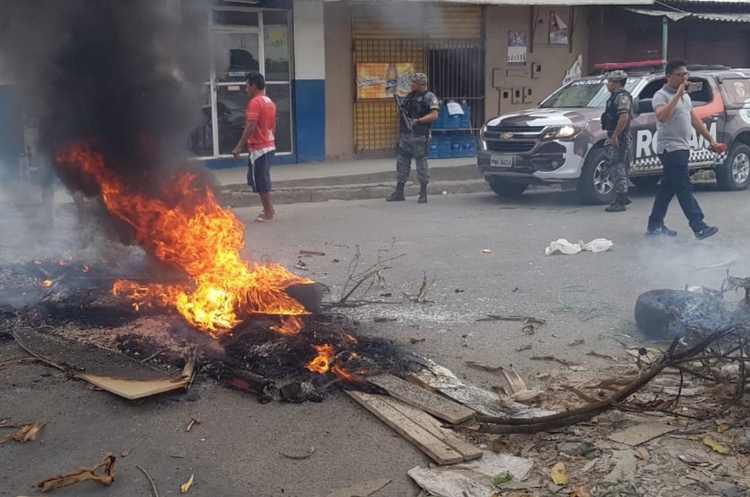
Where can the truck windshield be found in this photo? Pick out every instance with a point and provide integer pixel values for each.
(591, 93)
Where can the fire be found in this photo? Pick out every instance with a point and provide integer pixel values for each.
(187, 228)
(322, 363)
(47, 283)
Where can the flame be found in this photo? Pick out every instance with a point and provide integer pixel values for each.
(322, 363)
(290, 325)
(47, 283)
(187, 228)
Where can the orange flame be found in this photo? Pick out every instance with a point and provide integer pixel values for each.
(47, 283)
(322, 363)
(191, 231)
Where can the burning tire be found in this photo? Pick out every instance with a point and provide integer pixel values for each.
(666, 314)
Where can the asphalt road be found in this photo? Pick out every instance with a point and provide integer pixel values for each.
(236, 451)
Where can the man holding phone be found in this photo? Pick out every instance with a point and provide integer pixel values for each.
(675, 119)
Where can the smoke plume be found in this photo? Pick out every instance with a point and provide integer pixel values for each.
(118, 72)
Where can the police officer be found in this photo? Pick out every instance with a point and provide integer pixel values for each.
(418, 110)
(616, 122)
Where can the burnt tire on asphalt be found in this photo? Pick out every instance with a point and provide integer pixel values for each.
(666, 314)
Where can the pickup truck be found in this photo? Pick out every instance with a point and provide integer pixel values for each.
(561, 142)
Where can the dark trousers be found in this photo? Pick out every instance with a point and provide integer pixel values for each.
(675, 180)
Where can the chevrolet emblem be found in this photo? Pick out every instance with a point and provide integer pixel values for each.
(506, 136)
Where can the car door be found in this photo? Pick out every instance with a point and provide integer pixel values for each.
(643, 130)
(708, 104)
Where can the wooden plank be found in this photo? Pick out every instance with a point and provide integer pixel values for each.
(439, 451)
(432, 425)
(420, 398)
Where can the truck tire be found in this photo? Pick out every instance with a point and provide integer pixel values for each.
(505, 188)
(734, 174)
(645, 182)
(595, 186)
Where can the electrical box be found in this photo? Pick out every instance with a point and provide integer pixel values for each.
(516, 96)
(536, 70)
(527, 94)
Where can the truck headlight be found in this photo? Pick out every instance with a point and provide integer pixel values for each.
(563, 132)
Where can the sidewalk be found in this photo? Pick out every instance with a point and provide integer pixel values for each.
(347, 180)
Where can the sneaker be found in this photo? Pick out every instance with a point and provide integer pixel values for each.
(661, 231)
(706, 232)
(616, 207)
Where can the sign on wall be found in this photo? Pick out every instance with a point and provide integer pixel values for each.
(376, 80)
(558, 30)
(516, 48)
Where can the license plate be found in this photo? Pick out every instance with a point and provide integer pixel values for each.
(501, 161)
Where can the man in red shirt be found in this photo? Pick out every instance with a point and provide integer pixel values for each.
(259, 136)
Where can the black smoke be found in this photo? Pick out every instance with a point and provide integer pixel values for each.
(126, 73)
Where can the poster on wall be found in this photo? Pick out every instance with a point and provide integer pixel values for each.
(377, 80)
(558, 30)
(516, 48)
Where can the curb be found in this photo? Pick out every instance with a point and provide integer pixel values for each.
(237, 198)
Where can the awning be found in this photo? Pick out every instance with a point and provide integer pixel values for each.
(520, 2)
(678, 16)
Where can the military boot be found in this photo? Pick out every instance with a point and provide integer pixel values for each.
(619, 204)
(398, 193)
(422, 193)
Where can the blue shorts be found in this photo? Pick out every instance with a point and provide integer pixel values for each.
(259, 173)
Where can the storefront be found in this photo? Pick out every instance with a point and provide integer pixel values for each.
(242, 39)
(709, 33)
(489, 57)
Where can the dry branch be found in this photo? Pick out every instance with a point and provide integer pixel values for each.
(670, 359)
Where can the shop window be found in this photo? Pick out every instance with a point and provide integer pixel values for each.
(276, 45)
(235, 18)
(239, 47)
(281, 95)
(235, 55)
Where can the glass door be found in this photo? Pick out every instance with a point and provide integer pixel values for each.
(236, 50)
(243, 41)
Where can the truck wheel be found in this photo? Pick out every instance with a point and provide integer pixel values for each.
(645, 182)
(595, 185)
(507, 189)
(734, 174)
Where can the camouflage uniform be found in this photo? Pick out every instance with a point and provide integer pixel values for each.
(618, 159)
(414, 142)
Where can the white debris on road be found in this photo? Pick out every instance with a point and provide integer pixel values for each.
(563, 246)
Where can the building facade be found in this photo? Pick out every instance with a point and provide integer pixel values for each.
(491, 59)
(701, 33)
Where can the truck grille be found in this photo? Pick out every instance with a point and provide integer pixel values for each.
(516, 129)
(516, 147)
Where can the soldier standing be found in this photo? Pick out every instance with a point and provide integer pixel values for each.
(417, 111)
(616, 122)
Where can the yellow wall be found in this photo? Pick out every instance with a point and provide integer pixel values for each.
(554, 60)
(339, 81)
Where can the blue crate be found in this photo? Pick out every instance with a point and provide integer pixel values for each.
(444, 147)
(469, 146)
(457, 146)
(433, 151)
(442, 120)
